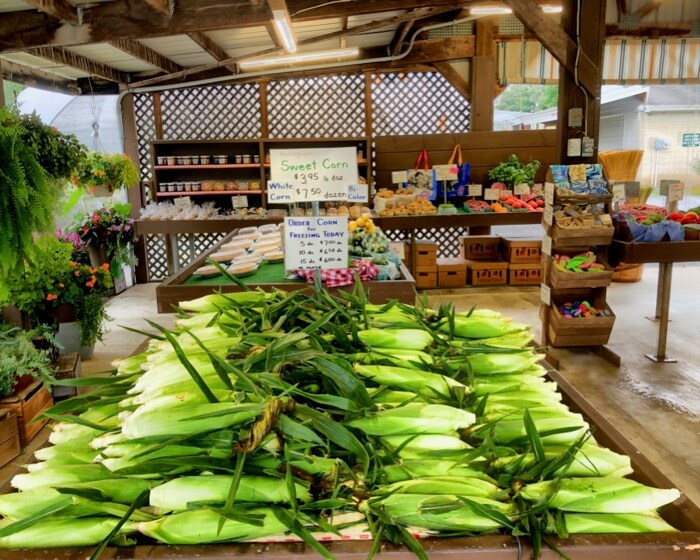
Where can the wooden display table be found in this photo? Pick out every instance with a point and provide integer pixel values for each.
(665, 254)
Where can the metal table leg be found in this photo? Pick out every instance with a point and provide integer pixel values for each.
(659, 295)
(665, 271)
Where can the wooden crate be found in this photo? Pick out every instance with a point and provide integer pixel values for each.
(487, 273)
(581, 237)
(588, 331)
(452, 273)
(479, 247)
(68, 367)
(560, 280)
(425, 253)
(27, 405)
(526, 274)
(426, 277)
(521, 251)
(9, 436)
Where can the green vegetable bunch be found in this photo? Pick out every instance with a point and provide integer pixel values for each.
(514, 173)
(19, 357)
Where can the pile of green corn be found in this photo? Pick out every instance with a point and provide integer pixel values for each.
(268, 414)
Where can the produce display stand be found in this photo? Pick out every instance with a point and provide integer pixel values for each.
(175, 289)
(665, 254)
(683, 514)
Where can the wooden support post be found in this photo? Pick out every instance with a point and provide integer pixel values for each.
(592, 44)
(483, 78)
(2, 87)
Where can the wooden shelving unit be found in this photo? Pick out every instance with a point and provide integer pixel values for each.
(235, 171)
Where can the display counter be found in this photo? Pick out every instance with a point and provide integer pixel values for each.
(665, 254)
(184, 286)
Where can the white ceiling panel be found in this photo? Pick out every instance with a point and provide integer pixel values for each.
(229, 39)
(107, 54)
(366, 18)
(44, 65)
(13, 6)
(367, 40)
(180, 49)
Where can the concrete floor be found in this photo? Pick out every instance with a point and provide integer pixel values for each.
(656, 406)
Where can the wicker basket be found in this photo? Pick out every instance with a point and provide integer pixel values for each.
(628, 273)
(621, 165)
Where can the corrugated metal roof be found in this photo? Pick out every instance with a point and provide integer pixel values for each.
(180, 49)
(44, 65)
(112, 56)
(686, 95)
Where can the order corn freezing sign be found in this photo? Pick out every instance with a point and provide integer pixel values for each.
(311, 174)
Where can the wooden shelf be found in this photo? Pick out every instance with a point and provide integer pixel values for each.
(209, 166)
(202, 193)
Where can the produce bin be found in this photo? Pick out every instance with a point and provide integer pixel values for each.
(580, 237)
(580, 331)
(561, 280)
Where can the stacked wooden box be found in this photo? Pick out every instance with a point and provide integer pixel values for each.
(9, 437)
(484, 267)
(452, 273)
(27, 404)
(425, 263)
(524, 258)
(68, 367)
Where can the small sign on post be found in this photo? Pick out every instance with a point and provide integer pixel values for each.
(316, 242)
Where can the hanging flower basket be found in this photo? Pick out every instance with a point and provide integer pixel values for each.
(101, 173)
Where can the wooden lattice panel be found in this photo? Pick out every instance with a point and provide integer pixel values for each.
(446, 238)
(319, 107)
(145, 133)
(417, 103)
(212, 112)
(156, 257)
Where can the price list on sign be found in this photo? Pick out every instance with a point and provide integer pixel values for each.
(316, 174)
(318, 242)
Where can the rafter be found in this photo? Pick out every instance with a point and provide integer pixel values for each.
(400, 36)
(211, 47)
(455, 78)
(188, 72)
(649, 7)
(34, 77)
(621, 8)
(74, 60)
(165, 7)
(60, 9)
(142, 52)
(130, 19)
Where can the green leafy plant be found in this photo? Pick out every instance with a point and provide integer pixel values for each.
(27, 198)
(92, 315)
(114, 171)
(18, 357)
(512, 172)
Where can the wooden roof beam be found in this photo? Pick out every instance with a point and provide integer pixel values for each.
(557, 42)
(128, 19)
(163, 7)
(147, 55)
(60, 9)
(74, 60)
(35, 77)
(212, 48)
(621, 7)
(455, 78)
(649, 7)
(400, 36)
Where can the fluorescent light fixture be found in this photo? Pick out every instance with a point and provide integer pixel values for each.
(489, 10)
(552, 9)
(284, 30)
(305, 57)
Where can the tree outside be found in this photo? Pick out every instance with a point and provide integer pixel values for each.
(11, 90)
(525, 98)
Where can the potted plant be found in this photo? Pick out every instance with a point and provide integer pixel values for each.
(21, 361)
(108, 233)
(105, 173)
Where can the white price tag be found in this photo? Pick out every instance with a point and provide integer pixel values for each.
(618, 192)
(447, 172)
(318, 174)
(240, 201)
(549, 193)
(316, 242)
(545, 294)
(538, 189)
(548, 215)
(398, 248)
(506, 192)
(475, 190)
(280, 193)
(522, 188)
(492, 194)
(183, 202)
(547, 245)
(358, 193)
(399, 177)
(675, 192)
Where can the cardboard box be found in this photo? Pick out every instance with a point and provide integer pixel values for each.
(487, 273)
(425, 253)
(425, 279)
(479, 247)
(452, 273)
(525, 274)
(521, 251)
(9, 436)
(27, 405)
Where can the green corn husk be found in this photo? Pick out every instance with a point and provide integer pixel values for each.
(426, 384)
(399, 339)
(441, 513)
(183, 420)
(202, 526)
(59, 476)
(599, 495)
(480, 312)
(414, 418)
(61, 532)
(510, 384)
(130, 366)
(605, 523)
(500, 364)
(515, 341)
(385, 396)
(426, 468)
(177, 493)
(442, 485)
(483, 327)
(427, 446)
(215, 302)
(512, 427)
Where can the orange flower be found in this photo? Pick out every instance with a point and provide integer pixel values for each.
(90, 284)
(51, 297)
(61, 285)
(105, 266)
(77, 273)
(92, 270)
